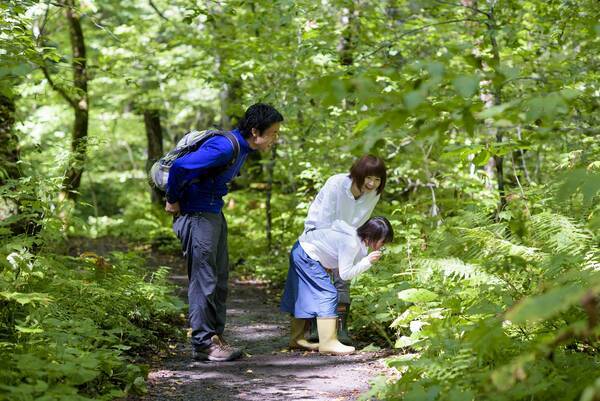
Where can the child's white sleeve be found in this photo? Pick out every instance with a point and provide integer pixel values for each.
(346, 255)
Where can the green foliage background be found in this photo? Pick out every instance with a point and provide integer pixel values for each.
(489, 292)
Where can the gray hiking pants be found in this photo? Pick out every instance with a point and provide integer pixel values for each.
(204, 244)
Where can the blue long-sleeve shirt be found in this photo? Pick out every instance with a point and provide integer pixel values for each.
(207, 194)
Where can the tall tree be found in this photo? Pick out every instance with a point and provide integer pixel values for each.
(154, 135)
(9, 154)
(19, 57)
(19, 54)
(77, 97)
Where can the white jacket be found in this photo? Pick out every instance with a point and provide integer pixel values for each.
(337, 247)
(336, 202)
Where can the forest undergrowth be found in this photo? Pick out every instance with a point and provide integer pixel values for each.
(478, 305)
(485, 113)
(76, 324)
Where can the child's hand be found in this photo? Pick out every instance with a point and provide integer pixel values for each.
(374, 256)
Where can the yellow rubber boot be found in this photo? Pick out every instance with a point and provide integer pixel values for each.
(297, 340)
(328, 342)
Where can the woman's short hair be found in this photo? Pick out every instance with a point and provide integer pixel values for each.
(376, 229)
(366, 166)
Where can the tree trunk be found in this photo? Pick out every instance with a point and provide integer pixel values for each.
(9, 156)
(347, 45)
(9, 151)
(154, 135)
(22, 223)
(497, 92)
(80, 104)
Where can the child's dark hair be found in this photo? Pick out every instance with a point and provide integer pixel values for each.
(260, 116)
(376, 229)
(366, 166)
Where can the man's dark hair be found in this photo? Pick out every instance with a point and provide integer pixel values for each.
(260, 116)
(376, 229)
(366, 166)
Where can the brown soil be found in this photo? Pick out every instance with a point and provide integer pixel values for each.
(268, 371)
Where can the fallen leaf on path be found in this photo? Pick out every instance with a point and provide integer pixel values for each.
(371, 348)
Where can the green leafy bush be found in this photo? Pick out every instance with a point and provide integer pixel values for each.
(70, 327)
(492, 308)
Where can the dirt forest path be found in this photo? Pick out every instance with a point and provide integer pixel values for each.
(267, 371)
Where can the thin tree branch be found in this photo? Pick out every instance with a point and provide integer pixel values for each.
(43, 65)
(102, 28)
(412, 31)
(522, 79)
(523, 196)
(43, 25)
(57, 88)
(160, 14)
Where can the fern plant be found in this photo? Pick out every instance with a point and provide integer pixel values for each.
(499, 309)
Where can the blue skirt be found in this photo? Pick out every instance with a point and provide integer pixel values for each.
(308, 289)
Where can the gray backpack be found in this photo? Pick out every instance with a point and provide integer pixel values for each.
(159, 173)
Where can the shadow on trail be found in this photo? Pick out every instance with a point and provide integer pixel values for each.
(268, 371)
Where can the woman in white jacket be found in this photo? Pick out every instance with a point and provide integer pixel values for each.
(309, 292)
(351, 198)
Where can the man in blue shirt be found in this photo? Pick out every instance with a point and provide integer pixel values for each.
(202, 228)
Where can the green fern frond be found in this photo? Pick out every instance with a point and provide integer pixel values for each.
(453, 268)
(559, 234)
(452, 367)
(592, 260)
(470, 219)
(484, 243)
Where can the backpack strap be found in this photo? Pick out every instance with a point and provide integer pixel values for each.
(236, 146)
(218, 170)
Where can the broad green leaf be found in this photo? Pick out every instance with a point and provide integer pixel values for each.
(371, 348)
(481, 158)
(405, 341)
(25, 298)
(547, 305)
(417, 295)
(462, 151)
(570, 94)
(413, 99)
(588, 182)
(468, 120)
(508, 72)
(435, 69)
(28, 330)
(402, 360)
(495, 110)
(363, 124)
(466, 85)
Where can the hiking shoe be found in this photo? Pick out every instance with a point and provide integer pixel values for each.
(218, 351)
